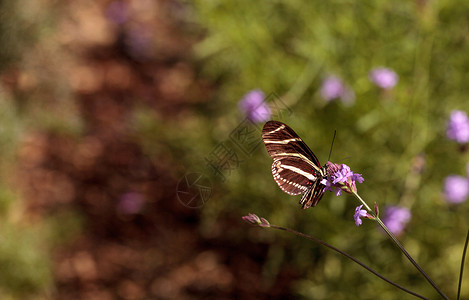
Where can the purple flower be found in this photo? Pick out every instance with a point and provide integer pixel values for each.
(396, 218)
(333, 88)
(341, 178)
(384, 78)
(359, 213)
(254, 107)
(458, 127)
(456, 189)
(255, 220)
(130, 203)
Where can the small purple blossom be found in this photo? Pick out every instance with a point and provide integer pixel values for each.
(333, 88)
(359, 213)
(456, 189)
(384, 78)
(255, 220)
(254, 107)
(130, 203)
(396, 218)
(458, 127)
(341, 178)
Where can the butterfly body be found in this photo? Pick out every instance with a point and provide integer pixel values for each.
(295, 168)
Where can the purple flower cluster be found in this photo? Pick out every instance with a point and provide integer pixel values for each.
(333, 88)
(254, 107)
(458, 127)
(384, 78)
(456, 189)
(341, 178)
(396, 218)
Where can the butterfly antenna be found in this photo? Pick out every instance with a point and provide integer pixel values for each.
(332, 144)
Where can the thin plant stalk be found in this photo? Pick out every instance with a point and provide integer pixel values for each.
(348, 256)
(462, 264)
(399, 245)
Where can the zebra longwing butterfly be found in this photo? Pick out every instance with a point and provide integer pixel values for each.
(295, 169)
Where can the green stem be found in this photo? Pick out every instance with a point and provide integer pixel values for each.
(348, 256)
(398, 244)
(462, 264)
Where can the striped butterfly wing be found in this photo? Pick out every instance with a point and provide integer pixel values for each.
(313, 195)
(295, 168)
(280, 140)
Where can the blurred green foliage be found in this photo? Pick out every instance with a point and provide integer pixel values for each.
(288, 48)
(25, 245)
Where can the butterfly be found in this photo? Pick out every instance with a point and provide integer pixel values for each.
(295, 168)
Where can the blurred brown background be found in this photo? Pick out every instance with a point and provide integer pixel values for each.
(122, 233)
